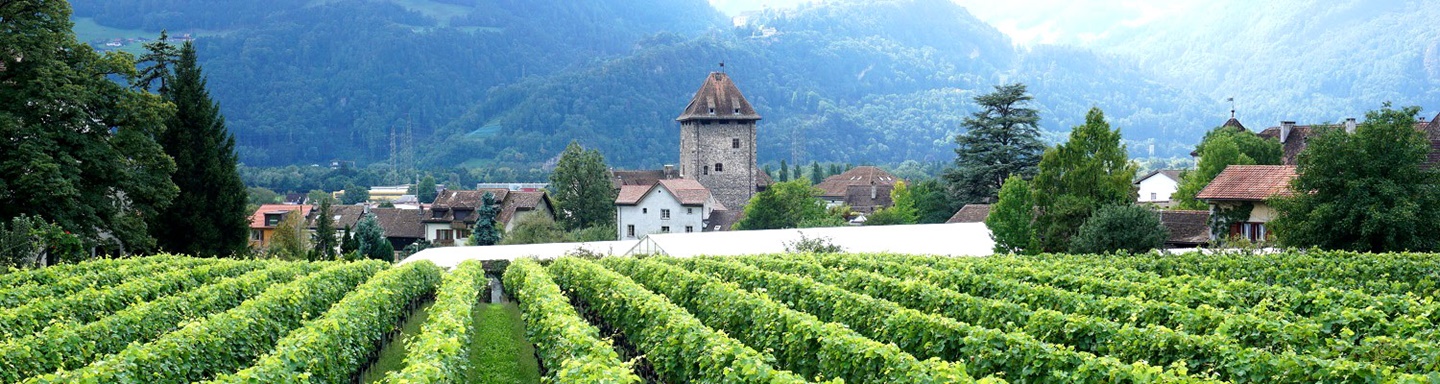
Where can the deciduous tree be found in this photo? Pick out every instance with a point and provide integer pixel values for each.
(1076, 178)
(1012, 218)
(581, 188)
(1000, 140)
(783, 205)
(426, 192)
(1223, 147)
(1368, 191)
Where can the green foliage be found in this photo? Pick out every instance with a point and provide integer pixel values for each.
(1128, 228)
(783, 205)
(68, 282)
(904, 207)
(800, 342)
(370, 239)
(537, 229)
(260, 196)
(1222, 147)
(1369, 191)
(334, 347)
(88, 161)
(316, 196)
(932, 203)
(324, 238)
(816, 175)
(71, 345)
(581, 189)
(355, 194)
(784, 172)
(596, 233)
(159, 56)
(348, 243)
(288, 241)
(441, 352)
(487, 225)
(1012, 219)
(1000, 140)
(652, 323)
(570, 347)
(31, 242)
(813, 245)
(425, 191)
(1077, 177)
(227, 341)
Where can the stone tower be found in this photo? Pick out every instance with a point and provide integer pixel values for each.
(717, 142)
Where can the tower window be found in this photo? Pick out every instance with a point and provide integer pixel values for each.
(712, 111)
(707, 169)
(734, 143)
(737, 111)
(719, 167)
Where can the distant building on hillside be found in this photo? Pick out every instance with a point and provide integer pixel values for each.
(865, 189)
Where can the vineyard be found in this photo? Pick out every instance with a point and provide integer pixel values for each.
(796, 318)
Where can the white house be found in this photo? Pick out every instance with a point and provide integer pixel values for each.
(1157, 187)
(667, 206)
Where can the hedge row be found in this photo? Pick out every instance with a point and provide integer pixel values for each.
(333, 348)
(226, 341)
(441, 352)
(679, 346)
(570, 348)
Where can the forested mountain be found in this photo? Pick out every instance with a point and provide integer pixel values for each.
(494, 83)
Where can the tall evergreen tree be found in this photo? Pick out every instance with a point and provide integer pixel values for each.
(159, 56)
(1000, 140)
(1078, 177)
(1369, 191)
(426, 192)
(371, 241)
(784, 171)
(212, 200)
(581, 187)
(816, 175)
(348, 243)
(797, 173)
(324, 238)
(487, 227)
(80, 149)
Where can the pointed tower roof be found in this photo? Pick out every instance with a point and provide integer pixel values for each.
(1234, 123)
(718, 99)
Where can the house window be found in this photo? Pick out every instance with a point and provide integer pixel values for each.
(1152, 196)
(273, 219)
(689, 211)
(689, 228)
(644, 210)
(444, 234)
(462, 233)
(630, 231)
(719, 167)
(1249, 231)
(257, 235)
(734, 143)
(665, 229)
(664, 214)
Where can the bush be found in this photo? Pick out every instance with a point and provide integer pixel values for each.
(1120, 227)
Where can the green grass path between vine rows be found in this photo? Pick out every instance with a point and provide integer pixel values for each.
(500, 353)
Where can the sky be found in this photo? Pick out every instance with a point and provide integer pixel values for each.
(1030, 22)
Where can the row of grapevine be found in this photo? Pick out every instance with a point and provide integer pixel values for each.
(69, 346)
(226, 341)
(679, 346)
(1203, 354)
(440, 353)
(50, 275)
(91, 304)
(94, 279)
(571, 348)
(1395, 273)
(1338, 331)
(800, 342)
(332, 348)
(986, 351)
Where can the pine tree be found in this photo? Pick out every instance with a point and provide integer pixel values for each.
(348, 244)
(487, 228)
(581, 188)
(324, 237)
(1078, 177)
(371, 241)
(1012, 218)
(211, 204)
(816, 175)
(784, 171)
(796, 173)
(160, 55)
(425, 192)
(1001, 139)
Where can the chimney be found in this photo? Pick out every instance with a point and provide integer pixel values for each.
(1285, 128)
(1350, 125)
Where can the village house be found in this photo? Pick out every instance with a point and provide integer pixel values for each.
(1242, 190)
(1294, 138)
(864, 189)
(266, 218)
(668, 206)
(1158, 186)
(452, 217)
(970, 213)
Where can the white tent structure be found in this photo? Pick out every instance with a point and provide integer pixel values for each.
(959, 239)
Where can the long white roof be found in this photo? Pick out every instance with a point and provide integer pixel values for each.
(959, 239)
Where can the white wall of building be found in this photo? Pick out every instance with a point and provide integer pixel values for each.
(646, 217)
(1158, 189)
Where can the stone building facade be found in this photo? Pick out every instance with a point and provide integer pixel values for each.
(717, 142)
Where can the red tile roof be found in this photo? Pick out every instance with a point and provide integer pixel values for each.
(836, 186)
(257, 219)
(718, 99)
(1249, 183)
(631, 194)
(970, 213)
(686, 191)
(1187, 228)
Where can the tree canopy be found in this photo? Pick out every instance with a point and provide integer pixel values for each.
(1369, 191)
(1128, 227)
(487, 224)
(1001, 139)
(581, 188)
(1078, 177)
(783, 205)
(1011, 219)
